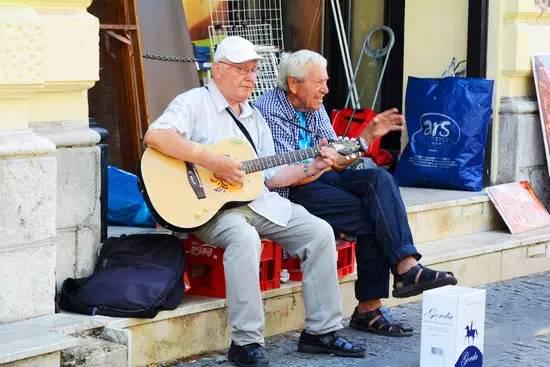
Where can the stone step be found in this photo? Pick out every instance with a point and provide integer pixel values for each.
(487, 257)
(433, 214)
(95, 352)
(33, 342)
(439, 214)
(199, 325)
(62, 339)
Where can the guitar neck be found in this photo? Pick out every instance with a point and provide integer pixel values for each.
(261, 164)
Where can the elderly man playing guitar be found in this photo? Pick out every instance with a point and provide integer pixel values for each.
(364, 203)
(207, 116)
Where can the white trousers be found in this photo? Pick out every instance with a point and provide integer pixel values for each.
(238, 231)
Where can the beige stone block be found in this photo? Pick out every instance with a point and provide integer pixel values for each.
(87, 250)
(65, 105)
(347, 291)
(21, 49)
(46, 360)
(77, 57)
(179, 337)
(474, 271)
(525, 260)
(78, 183)
(284, 313)
(27, 199)
(207, 331)
(95, 352)
(435, 224)
(27, 281)
(66, 254)
(412, 223)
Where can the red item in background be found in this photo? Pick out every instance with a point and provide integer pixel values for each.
(204, 274)
(358, 121)
(345, 264)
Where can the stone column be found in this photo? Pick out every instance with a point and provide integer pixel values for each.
(49, 161)
(27, 173)
(521, 146)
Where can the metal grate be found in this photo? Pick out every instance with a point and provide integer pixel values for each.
(267, 79)
(258, 34)
(247, 13)
(258, 21)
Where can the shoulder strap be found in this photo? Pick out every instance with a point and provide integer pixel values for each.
(243, 129)
(240, 125)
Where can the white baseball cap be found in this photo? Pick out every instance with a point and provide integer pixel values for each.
(236, 49)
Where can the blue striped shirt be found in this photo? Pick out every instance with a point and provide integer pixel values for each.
(276, 109)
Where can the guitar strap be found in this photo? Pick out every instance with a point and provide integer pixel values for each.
(240, 125)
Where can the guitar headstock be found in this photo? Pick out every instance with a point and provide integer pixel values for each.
(349, 147)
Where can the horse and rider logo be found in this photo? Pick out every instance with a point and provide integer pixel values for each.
(471, 356)
(470, 333)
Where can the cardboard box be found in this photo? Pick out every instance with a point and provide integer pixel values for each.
(453, 327)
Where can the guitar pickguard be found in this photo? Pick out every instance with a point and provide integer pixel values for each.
(223, 186)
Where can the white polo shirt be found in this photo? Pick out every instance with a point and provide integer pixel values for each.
(199, 115)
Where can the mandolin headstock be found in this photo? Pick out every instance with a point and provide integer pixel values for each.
(349, 147)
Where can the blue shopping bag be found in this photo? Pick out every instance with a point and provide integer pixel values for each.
(447, 121)
(126, 206)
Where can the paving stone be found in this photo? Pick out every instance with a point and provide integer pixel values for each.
(517, 333)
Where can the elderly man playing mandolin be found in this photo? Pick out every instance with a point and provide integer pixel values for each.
(208, 115)
(365, 203)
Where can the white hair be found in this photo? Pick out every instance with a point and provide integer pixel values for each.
(294, 65)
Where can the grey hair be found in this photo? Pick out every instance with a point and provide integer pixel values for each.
(294, 65)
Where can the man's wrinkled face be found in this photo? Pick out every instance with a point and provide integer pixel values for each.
(308, 92)
(236, 81)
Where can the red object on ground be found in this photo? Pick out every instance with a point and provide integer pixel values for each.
(345, 264)
(358, 121)
(204, 275)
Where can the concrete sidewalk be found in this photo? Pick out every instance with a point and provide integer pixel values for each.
(517, 334)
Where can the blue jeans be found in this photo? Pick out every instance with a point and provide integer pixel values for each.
(365, 204)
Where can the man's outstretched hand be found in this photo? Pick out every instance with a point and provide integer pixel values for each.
(383, 123)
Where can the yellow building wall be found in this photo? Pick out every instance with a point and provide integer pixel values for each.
(435, 32)
(48, 61)
(518, 29)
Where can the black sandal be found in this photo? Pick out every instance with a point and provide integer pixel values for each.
(419, 279)
(330, 343)
(379, 322)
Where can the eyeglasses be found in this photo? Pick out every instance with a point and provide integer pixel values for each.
(242, 71)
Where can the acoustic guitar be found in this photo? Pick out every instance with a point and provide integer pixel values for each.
(183, 196)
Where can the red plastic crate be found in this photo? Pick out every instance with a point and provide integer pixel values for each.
(345, 264)
(205, 273)
(346, 258)
(292, 264)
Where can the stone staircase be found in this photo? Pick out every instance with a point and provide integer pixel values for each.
(456, 231)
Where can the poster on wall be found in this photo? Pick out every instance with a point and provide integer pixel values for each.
(541, 73)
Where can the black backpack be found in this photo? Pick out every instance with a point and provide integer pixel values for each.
(135, 276)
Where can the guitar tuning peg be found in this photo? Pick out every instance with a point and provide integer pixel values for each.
(339, 137)
(353, 156)
(348, 158)
(346, 138)
(353, 139)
